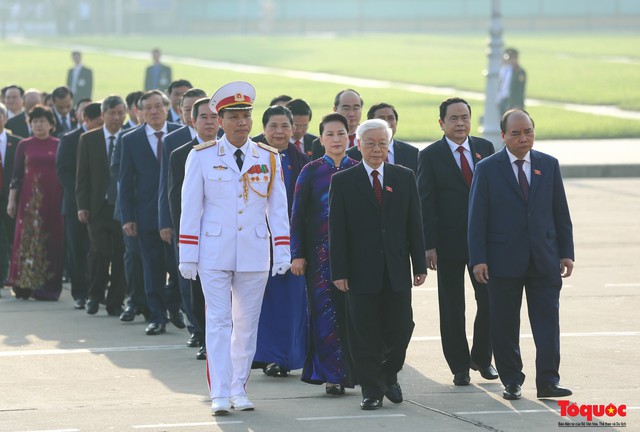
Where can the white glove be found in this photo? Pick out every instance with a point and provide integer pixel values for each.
(280, 268)
(188, 270)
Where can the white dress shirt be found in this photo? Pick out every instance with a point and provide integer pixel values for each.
(369, 170)
(456, 154)
(526, 166)
(153, 139)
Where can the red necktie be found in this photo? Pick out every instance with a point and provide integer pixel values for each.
(352, 139)
(159, 136)
(298, 144)
(464, 165)
(522, 180)
(377, 187)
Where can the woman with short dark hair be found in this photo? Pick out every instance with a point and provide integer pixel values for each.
(35, 196)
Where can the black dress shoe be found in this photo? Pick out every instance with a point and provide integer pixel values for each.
(487, 372)
(155, 329)
(202, 353)
(394, 393)
(553, 391)
(334, 389)
(79, 303)
(114, 310)
(461, 378)
(92, 306)
(512, 392)
(371, 404)
(128, 315)
(193, 341)
(177, 319)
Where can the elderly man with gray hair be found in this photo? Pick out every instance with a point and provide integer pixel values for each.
(375, 238)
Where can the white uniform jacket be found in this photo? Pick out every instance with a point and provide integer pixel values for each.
(225, 210)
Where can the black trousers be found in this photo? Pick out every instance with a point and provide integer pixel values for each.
(77, 249)
(380, 328)
(106, 260)
(543, 303)
(452, 317)
(197, 305)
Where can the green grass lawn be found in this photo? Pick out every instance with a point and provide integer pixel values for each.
(576, 68)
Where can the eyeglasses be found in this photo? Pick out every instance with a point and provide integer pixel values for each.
(370, 145)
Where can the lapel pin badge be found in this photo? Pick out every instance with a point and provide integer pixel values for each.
(388, 188)
(478, 156)
(537, 172)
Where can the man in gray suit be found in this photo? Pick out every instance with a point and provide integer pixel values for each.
(158, 75)
(80, 78)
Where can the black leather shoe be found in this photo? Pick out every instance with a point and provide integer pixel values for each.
(202, 353)
(79, 303)
(553, 391)
(92, 307)
(128, 315)
(193, 341)
(370, 404)
(177, 319)
(394, 393)
(487, 372)
(275, 370)
(155, 329)
(461, 378)
(512, 392)
(114, 310)
(334, 389)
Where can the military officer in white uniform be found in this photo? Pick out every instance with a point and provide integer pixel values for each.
(232, 189)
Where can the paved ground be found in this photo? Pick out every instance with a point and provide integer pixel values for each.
(61, 370)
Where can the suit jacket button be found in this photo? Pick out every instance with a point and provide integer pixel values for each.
(239, 228)
(239, 211)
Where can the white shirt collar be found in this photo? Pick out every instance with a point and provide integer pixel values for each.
(107, 134)
(454, 146)
(150, 131)
(512, 158)
(380, 170)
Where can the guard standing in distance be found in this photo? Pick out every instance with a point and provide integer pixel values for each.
(232, 188)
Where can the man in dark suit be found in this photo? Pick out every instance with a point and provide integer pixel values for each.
(12, 96)
(166, 226)
(65, 116)
(138, 196)
(205, 121)
(400, 153)
(302, 114)
(176, 90)
(8, 145)
(512, 82)
(132, 110)
(375, 227)
(75, 233)
(350, 104)
(158, 75)
(520, 234)
(80, 78)
(91, 194)
(19, 125)
(444, 179)
(137, 300)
